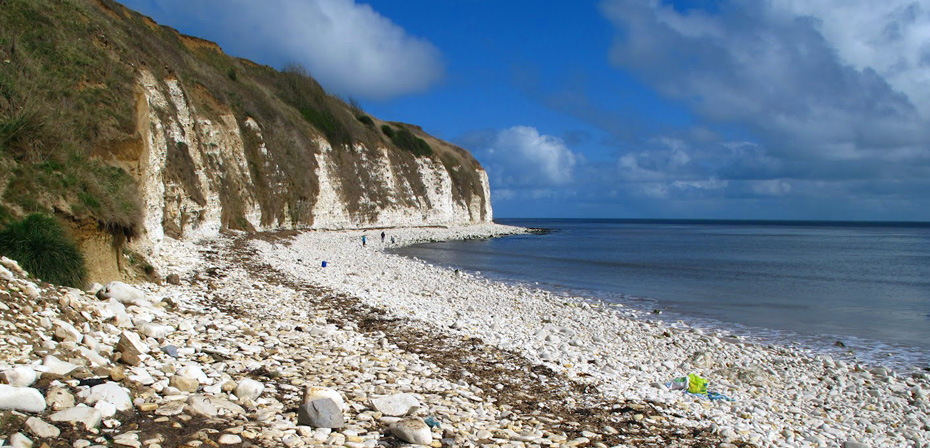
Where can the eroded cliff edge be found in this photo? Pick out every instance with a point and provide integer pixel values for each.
(199, 174)
(136, 134)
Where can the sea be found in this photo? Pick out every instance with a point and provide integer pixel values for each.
(858, 291)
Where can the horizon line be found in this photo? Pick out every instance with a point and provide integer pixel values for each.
(730, 220)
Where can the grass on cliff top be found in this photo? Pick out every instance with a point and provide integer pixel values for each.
(68, 91)
(297, 88)
(404, 139)
(62, 92)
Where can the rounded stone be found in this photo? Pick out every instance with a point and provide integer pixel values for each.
(229, 439)
(41, 429)
(24, 399)
(112, 393)
(316, 392)
(320, 413)
(20, 376)
(396, 405)
(249, 388)
(412, 430)
(184, 383)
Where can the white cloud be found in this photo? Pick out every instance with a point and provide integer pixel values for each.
(771, 187)
(348, 47)
(522, 157)
(709, 184)
(668, 158)
(841, 79)
(654, 190)
(890, 37)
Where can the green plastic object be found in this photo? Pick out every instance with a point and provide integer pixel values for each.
(697, 385)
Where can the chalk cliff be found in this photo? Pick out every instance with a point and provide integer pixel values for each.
(135, 133)
(231, 185)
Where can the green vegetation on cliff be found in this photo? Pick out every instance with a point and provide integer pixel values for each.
(43, 249)
(72, 134)
(62, 93)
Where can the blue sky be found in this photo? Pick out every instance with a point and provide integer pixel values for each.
(778, 109)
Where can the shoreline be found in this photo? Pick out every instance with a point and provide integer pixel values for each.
(855, 350)
(252, 326)
(899, 356)
(628, 358)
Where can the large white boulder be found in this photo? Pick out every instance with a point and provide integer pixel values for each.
(25, 399)
(109, 392)
(194, 372)
(57, 366)
(412, 430)
(83, 414)
(19, 376)
(123, 293)
(315, 393)
(249, 388)
(396, 405)
(156, 331)
(41, 429)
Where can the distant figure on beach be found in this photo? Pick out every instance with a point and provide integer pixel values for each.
(382, 237)
(363, 240)
(392, 240)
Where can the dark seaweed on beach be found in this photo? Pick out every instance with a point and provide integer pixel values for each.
(529, 391)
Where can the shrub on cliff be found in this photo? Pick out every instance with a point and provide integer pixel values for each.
(405, 139)
(366, 120)
(298, 89)
(387, 130)
(42, 248)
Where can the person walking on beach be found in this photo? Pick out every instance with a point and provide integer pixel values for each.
(363, 240)
(382, 237)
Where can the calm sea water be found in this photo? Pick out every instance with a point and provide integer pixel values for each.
(811, 283)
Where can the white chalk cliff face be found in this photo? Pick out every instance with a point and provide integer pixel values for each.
(203, 172)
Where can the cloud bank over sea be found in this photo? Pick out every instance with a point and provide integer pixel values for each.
(792, 109)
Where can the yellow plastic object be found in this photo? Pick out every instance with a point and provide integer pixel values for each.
(697, 385)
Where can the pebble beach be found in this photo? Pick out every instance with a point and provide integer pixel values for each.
(250, 341)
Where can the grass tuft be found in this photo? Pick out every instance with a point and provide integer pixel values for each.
(366, 120)
(405, 140)
(298, 89)
(41, 246)
(387, 130)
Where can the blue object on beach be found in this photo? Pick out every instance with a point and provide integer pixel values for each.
(431, 422)
(324, 264)
(712, 396)
(718, 396)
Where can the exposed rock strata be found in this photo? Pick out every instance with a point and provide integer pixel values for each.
(199, 175)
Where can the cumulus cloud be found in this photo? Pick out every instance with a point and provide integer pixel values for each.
(890, 37)
(667, 166)
(801, 77)
(831, 101)
(348, 47)
(771, 187)
(521, 158)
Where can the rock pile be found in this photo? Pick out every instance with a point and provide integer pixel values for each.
(782, 396)
(227, 358)
(255, 344)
